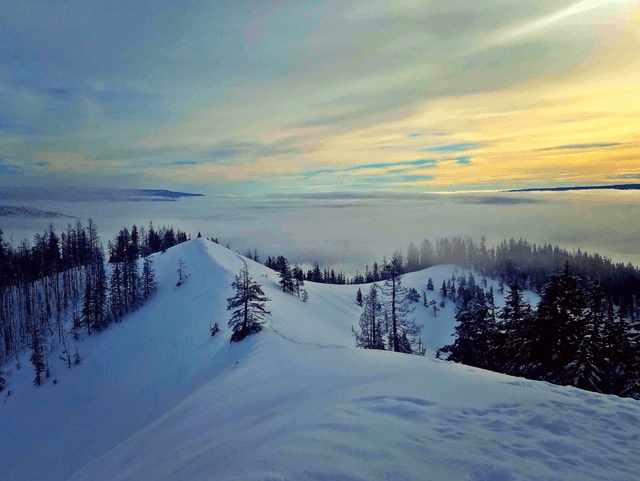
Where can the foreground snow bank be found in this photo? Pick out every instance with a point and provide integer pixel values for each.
(157, 398)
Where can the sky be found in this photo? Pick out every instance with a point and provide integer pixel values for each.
(319, 96)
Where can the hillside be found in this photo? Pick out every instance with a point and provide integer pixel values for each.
(156, 398)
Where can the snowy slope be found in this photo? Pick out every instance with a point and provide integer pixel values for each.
(156, 398)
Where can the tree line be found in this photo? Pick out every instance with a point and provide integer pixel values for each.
(575, 336)
(529, 264)
(61, 285)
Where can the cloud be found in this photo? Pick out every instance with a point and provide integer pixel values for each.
(220, 92)
(460, 147)
(412, 163)
(76, 162)
(246, 149)
(582, 146)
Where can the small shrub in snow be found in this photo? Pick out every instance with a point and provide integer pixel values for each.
(215, 329)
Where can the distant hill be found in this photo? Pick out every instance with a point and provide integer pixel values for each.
(580, 187)
(84, 194)
(30, 212)
(164, 193)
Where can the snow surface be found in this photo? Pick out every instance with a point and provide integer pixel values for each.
(156, 398)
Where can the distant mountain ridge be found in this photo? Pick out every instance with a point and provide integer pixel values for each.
(579, 187)
(84, 194)
(30, 212)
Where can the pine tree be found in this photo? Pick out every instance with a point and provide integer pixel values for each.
(298, 280)
(513, 346)
(559, 326)
(631, 362)
(398, 310)
(37, 356)
(248, 306)
(286, 277)
(585, 371)
(372, 328)
(214, 329)
(413, 258)
(359, 297)
(183, 275)
(149, 284)
(474, 334)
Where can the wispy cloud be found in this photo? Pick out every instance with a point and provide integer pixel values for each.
(75, 162)
(582, 146)
(461, 147)
(412, 163)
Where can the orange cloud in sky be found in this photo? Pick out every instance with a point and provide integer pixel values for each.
(582, 125)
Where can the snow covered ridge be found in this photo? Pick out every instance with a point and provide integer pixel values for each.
(156, 397)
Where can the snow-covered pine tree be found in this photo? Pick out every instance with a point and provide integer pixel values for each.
(586, 369)
(559, 326)
(248, 306)
(513, 346)
(631, 361)
(474, 333)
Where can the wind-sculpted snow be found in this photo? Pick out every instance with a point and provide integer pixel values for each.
(157, 399)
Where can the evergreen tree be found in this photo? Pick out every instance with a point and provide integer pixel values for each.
(37, 356)
(631, 362)
(183, 275)
(585, 371)
(427, 257)
(298, 280)
(513, 352)
(248, 306)
(149, 284)
(474, 334)
(286, 277)
(413, 258)
(214, 329)
(398, 310)
(559, 326)
(359, 297)
(372, 328)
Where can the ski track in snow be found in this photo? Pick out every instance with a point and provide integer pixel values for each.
(156, 399)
